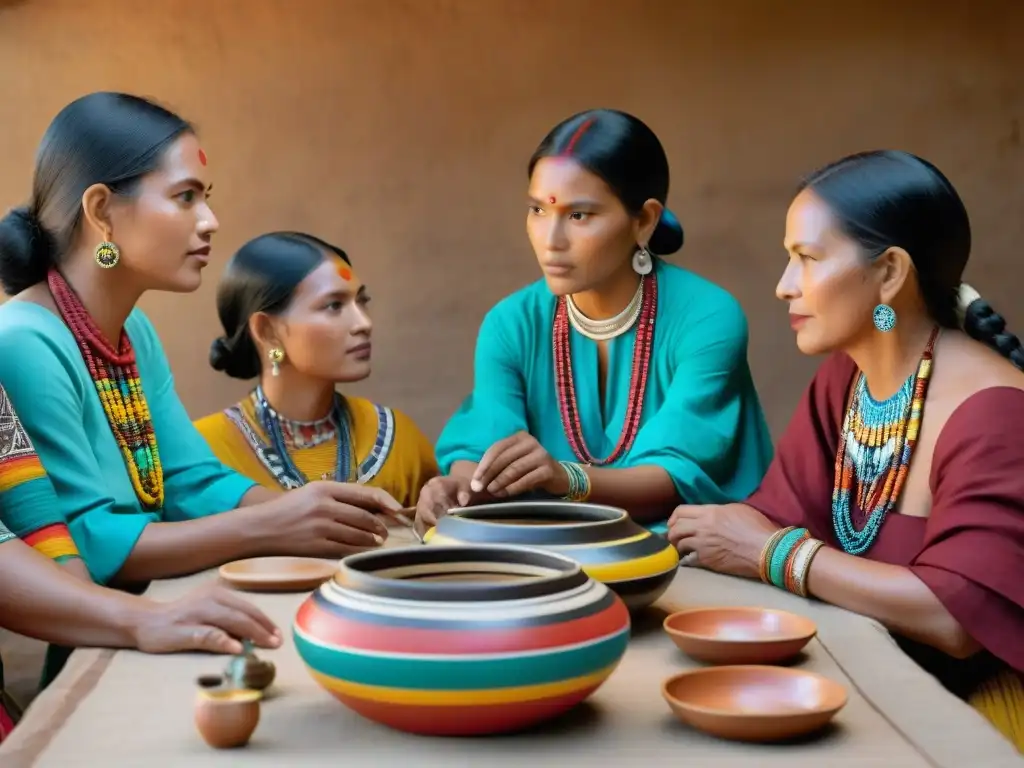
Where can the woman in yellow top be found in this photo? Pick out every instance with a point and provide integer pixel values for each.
(294, 315)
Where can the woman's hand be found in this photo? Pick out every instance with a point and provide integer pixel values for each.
(327, 519)
(727, 539)
(516, 465)
(209, 619)
(438, 496)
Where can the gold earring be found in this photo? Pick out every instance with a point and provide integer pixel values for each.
(107, 254)
(276, 356)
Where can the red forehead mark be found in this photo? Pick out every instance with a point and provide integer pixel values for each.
(202, 157)
(344, 272)
(567, 152)
(552, 200)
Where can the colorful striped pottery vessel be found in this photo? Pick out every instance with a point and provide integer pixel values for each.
(611, 547)
(464, 640)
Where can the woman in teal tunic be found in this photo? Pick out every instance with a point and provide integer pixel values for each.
(618, 378)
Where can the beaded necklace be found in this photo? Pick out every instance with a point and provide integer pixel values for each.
(273, 452)
(271, 423)
(875, 449)
(117, 382)
(642, 346)
(309, 434)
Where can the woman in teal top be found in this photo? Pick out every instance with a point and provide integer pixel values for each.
(120, 207)
(97, 499)
(618, 378)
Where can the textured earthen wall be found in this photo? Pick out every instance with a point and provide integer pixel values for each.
(400, 130)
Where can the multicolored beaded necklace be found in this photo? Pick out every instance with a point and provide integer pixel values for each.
(875, 449)
(116, 377)
(642, 346)
(282, 434)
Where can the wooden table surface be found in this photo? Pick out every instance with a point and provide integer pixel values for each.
(123, 708)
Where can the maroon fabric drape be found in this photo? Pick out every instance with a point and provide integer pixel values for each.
(970, 550)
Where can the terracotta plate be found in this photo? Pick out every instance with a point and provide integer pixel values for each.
(739, 635)
(754, 703)
(278, 574)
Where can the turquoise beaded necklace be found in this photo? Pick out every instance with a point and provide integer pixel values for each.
(875, 449)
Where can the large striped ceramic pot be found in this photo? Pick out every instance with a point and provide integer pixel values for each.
(611, 547)
(461, 640)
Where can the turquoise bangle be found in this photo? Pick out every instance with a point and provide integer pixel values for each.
(776, 571)
(579, 482)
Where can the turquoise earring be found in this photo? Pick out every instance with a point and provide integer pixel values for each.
(885, 318)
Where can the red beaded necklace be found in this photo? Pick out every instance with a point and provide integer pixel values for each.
(117, 382)
(642, 346)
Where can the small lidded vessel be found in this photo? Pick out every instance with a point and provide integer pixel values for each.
(226, 717)
(227, 708)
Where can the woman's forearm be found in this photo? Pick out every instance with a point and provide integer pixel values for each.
(167, 550)
(463, 469)
(647, 492)
(258, 495)
(42, 600)
(890, 594)
(76, 567)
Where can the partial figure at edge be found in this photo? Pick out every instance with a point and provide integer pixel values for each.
(62, 605)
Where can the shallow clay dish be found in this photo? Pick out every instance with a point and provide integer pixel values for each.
(739, 635)
(278, 574)
(754, 702)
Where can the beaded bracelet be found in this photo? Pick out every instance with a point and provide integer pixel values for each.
(579, 482)
(800, 565)
(767, 550)
(788, 566)
(782, 556)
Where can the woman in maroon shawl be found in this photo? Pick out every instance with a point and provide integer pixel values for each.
(897, 491)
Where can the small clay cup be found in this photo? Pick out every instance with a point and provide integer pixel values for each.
(226, 718)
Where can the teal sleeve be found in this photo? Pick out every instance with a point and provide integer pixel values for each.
(48, 398)
(196, 483)
(496, 408)
(709, 434)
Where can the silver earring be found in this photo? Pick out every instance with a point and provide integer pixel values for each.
(642, 261)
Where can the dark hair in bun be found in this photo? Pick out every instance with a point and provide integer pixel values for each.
(627, 155)
(102, 138)
(262, 276)
(26, 250)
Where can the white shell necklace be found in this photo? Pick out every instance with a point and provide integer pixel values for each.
(609, 328)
